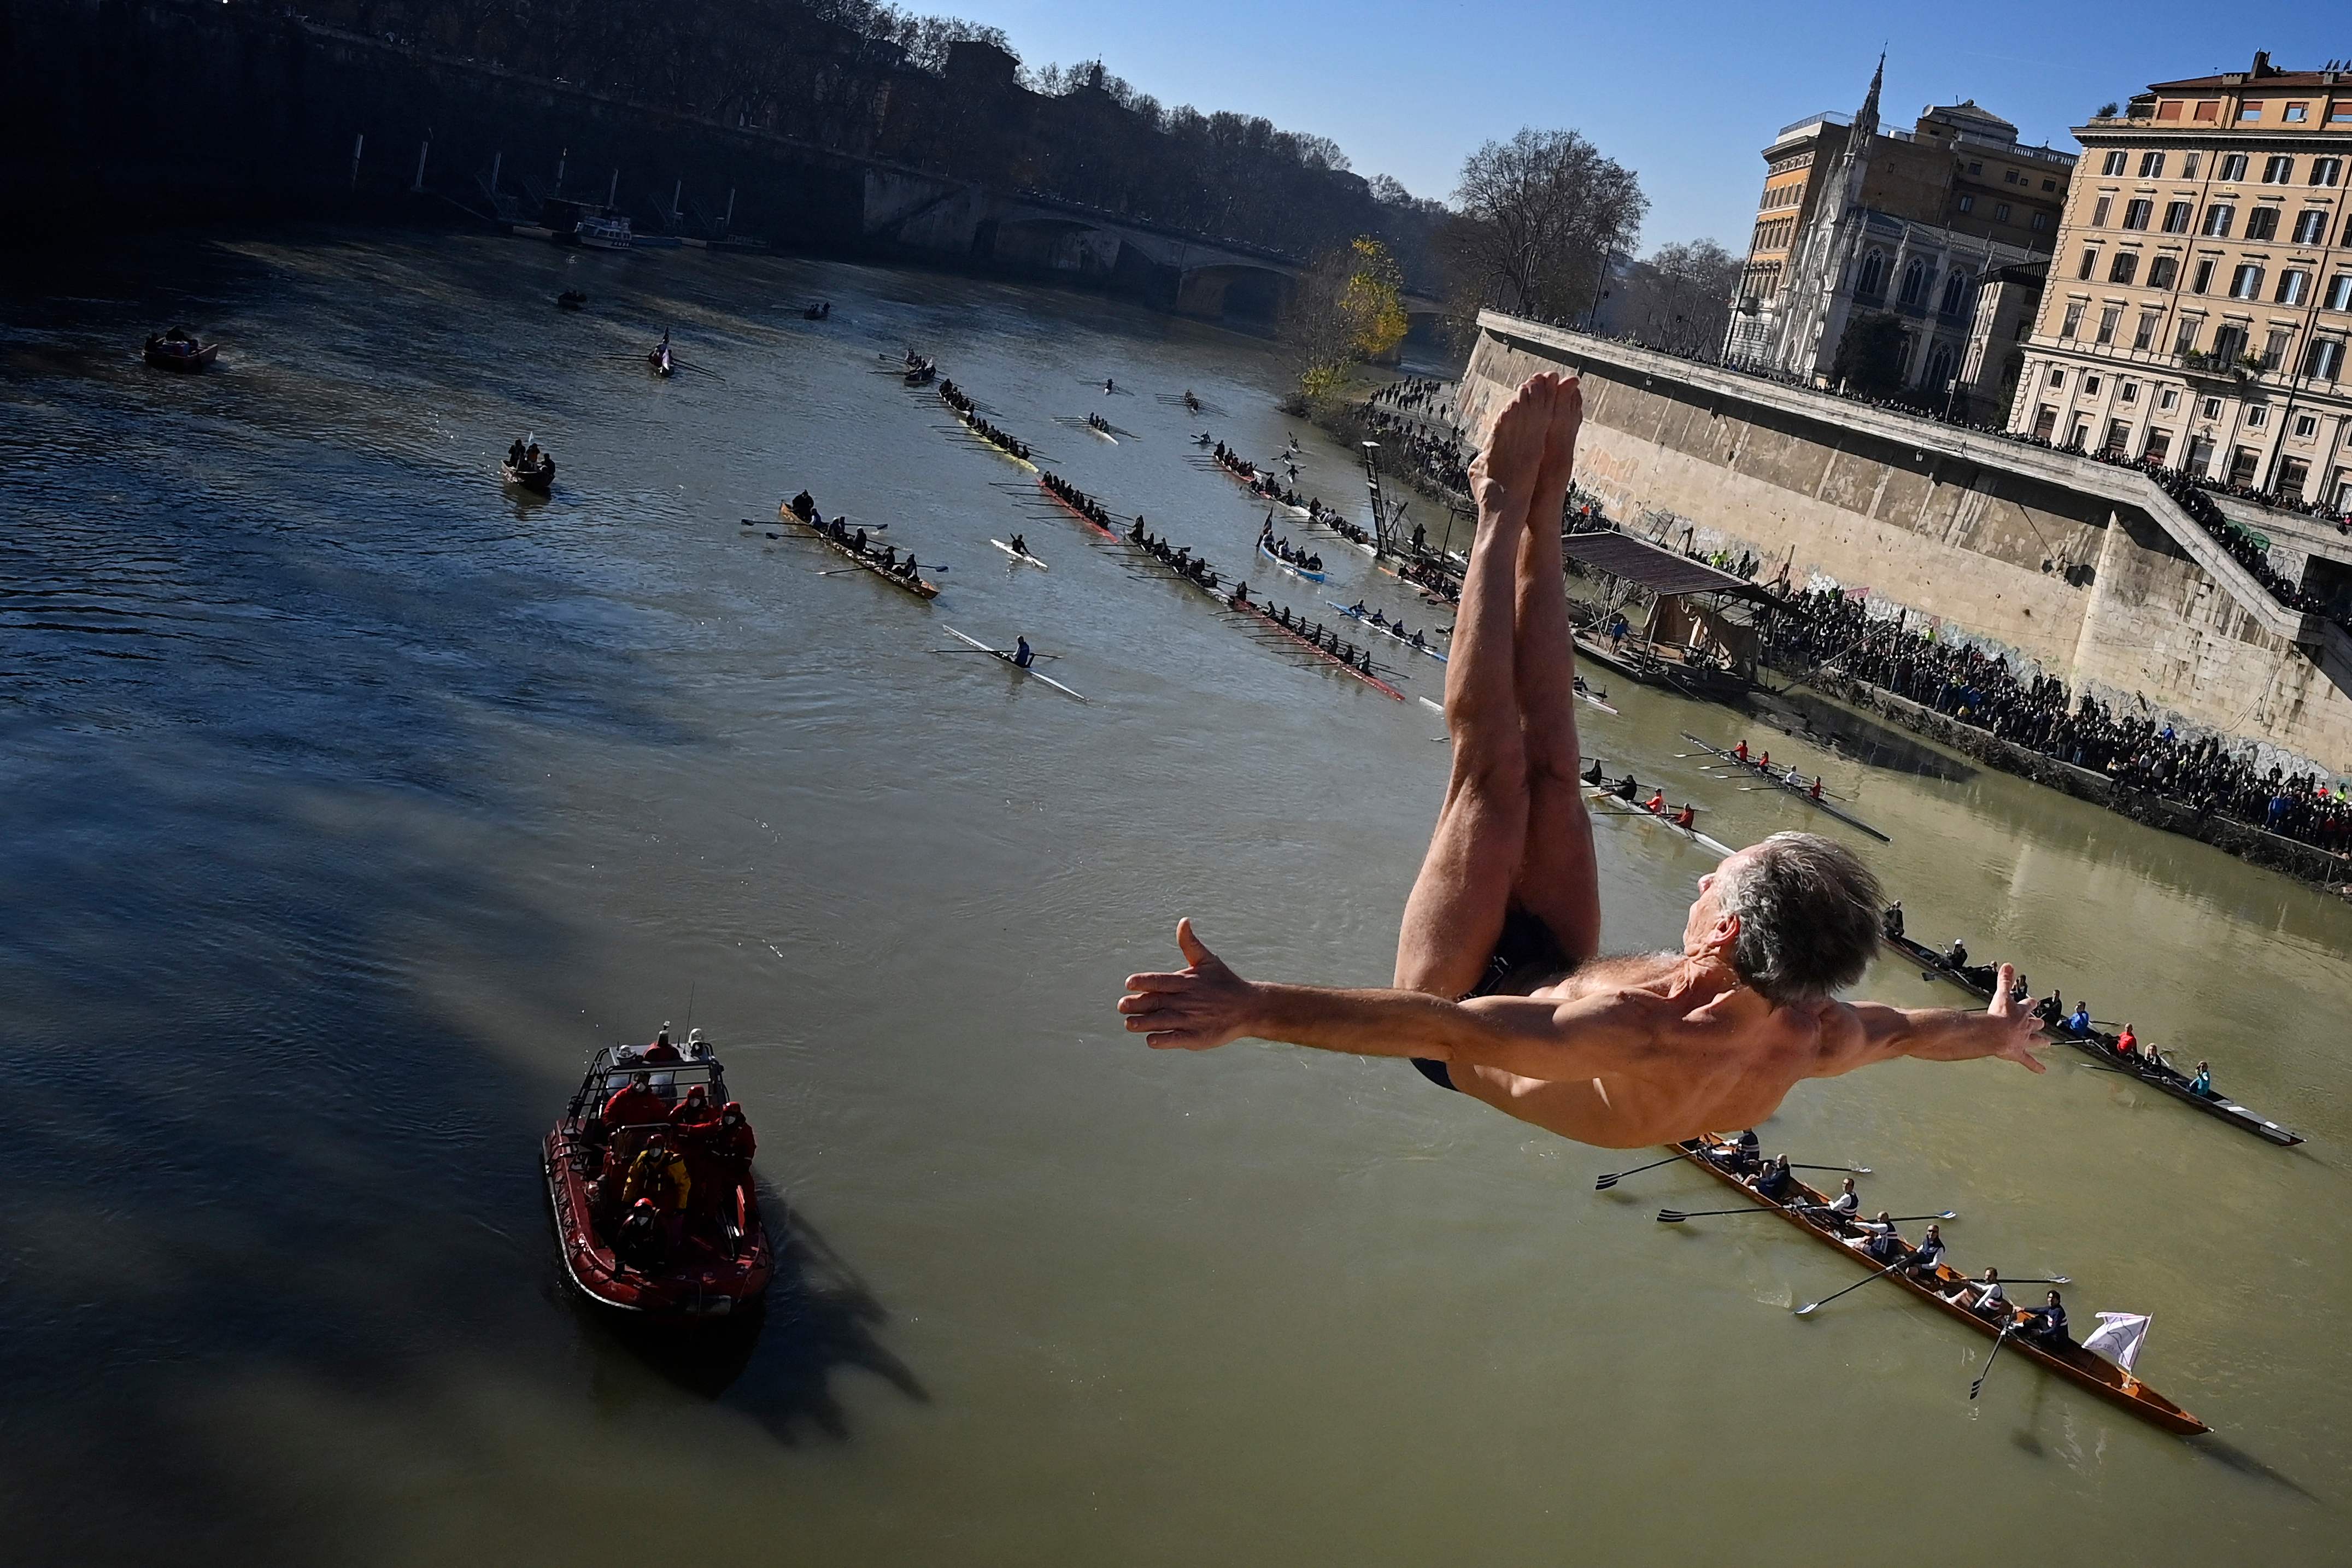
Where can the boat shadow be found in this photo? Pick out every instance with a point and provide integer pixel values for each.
(778, 1364)
(2027, 1438)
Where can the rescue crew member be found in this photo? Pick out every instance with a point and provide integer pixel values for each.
(657, 1173)
(634, 1105)
(661, 1052)
(695, 1112)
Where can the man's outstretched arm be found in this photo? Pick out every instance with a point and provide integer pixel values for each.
(1206, 1005)
(2008, 1028)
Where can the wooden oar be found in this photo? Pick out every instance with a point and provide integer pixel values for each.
(1811, 1307)
(1841, 1170)
(1603, 1183)
(1999, 1339)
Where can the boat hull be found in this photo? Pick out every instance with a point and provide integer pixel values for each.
(710, 1290)
(181, 364)
(915, 585)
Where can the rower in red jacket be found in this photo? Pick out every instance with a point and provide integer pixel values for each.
(1656, 804)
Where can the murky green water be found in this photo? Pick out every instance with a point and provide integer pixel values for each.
(351, 804)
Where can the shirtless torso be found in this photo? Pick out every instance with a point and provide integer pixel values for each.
(1617, 1051)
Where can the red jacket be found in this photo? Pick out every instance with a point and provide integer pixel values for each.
(634, 1105)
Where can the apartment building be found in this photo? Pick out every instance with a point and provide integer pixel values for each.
(2197, 310)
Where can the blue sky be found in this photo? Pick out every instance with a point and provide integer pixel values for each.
(1686, 94)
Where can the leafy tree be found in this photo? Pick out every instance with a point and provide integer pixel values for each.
(1348, 308)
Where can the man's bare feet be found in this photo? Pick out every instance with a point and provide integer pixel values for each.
(1560, 449)
(1503, 477)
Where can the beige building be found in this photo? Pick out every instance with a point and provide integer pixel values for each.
(2197, 310)
(1855, 220)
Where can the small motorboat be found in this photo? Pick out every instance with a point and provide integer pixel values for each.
(178, 350)
(571, 299)
(656, 1262)
(539, 478)
(604, 234)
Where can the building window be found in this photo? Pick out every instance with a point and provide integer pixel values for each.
(2324, 360)
(2159, 442)
(2248, 111)
(2325, 170)
(2114, 162)
(2261, 224)
(2151, 165)
(2274, 348)
(2293, 286)
(2126, 391)
(2144, 335)
(2000, 211)
(2167, 399)
(2107, 320)
(2306, 425)
(2204, 278)
(2136, 212)
(1915, 282)
(2296, 113)
(2040, 221)
(2099, 211)
(2126, 267)
(1872, 279)
(2311, 226)
(2246, 283)
(1939, 367)
(2340, 111)
(2118, 438)
(2294, 474)
(1968, 203)
(2162, 271)
(2208, 109)
(2185, 340)
(2217, 219)
(2229, 342)
(2046, 420)
(2168, 109)
(2011, 175)
(2339, 291)
(2258, 415)
(2200, 455)
(2210, 409)
(1976, 168)
(2232, 169)
(2049, 185)
(2090, 386)
(2090, 263)
(2057, 377)
(2176, 215)
(2074, 319)
(2278, 171)
(1956, 293)
(2189, 166)
(2244, 461)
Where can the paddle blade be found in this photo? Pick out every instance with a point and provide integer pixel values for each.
(1671, 1217)
(1808, 1308)
(1600, 1184)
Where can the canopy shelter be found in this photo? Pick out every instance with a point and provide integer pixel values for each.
(1689, 625)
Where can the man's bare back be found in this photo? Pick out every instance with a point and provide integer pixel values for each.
(1621, 1052)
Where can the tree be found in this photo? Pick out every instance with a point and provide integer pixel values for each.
(1870, 356)
(1538, 216)
(1679, 298)
(1348, 307)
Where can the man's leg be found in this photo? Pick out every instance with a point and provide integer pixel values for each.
(1454, 914)
(1559, 880)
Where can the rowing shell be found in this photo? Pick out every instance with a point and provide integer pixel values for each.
(1319, 649)
(2102, 1049)
(1023, 556)
(1310, 574)
(1627, 807)
(914, 585)
(1067, 507)
(1369, 624)
(1002, 657)
(1800, 791)
(1584, 696)
(2084, 1368)
(1106, 434)
(981, 435)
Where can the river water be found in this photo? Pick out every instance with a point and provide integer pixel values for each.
(352, 803)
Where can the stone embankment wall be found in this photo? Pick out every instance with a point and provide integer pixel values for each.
(1982, 538)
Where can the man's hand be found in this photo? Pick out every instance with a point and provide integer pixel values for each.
(2020, 1029)
(1199, 1008)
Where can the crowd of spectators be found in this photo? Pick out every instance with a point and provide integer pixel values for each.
(1416, 423)
(2035, 711)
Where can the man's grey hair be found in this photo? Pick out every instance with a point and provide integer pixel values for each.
(1809, 915)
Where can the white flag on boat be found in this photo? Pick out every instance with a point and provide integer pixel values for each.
(2118, 1337)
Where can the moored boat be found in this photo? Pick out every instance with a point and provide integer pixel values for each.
(2086, 1369)
(605, 234)
(669, 1260)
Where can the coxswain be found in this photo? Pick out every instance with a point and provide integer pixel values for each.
(2047, 1323)
(2202, 1084)
(2078, 1024)
(1984, 1297)
(1687, 816)
(1774, 1181)
(804, 506)
(1594, 775)
(1656, 804)
(1929, 1253)
(1022, 655)
(661, 1052)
